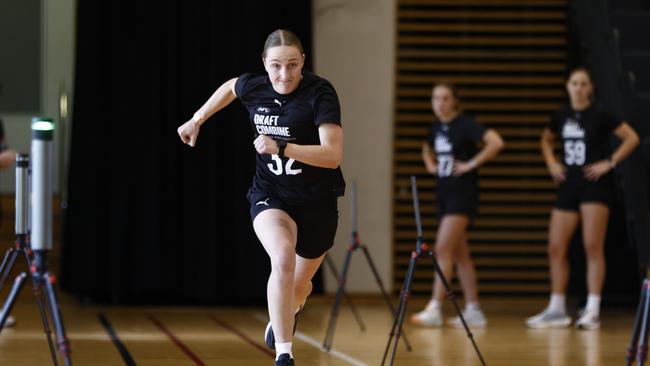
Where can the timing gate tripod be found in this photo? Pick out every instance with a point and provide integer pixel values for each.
(340, 291)
(421, 250)
(638, 347)
(37, 263)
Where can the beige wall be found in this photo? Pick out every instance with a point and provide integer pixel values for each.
(354, 49)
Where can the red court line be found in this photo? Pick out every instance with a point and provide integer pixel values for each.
(242, 336)
(177, 341)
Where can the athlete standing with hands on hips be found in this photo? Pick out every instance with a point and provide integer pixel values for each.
(450, 153)
(298, 178)
(585, 191)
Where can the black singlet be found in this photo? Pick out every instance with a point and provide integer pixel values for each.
(585, 136)
(455, 141)
(294, 118)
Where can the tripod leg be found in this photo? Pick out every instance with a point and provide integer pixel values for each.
(27, 253)
(7, 265)
(4, 260)
(340, 292)
(375, 273)
(11, 299)
(452, 298)
(355, 311)
(38, 296)
(642, 351)
(62, 340)
(329, 334)
(348, 298)
(398, 318)
(631, 349)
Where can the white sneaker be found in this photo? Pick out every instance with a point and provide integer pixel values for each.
(547, 319)
(474, 318)
(588, 320)
(10, 322)
(431, 316)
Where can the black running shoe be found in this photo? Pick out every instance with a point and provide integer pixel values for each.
(284, 360)
(269, 337)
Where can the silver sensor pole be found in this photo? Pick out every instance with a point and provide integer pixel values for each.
(41, 236)
(22, 194)
(42, 152)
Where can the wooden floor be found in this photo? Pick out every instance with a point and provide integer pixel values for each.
(233, 336)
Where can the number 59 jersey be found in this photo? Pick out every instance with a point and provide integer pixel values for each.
(294, 118)
(585, 135)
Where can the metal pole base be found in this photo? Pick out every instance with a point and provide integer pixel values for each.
(421, 249)
(638, 348)
(340, 291)
(41, 280)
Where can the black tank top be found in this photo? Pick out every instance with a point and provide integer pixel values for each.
(294, 118)
(455, 141)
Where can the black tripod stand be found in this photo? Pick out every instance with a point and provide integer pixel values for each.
(37, 263)
(348, 298)
(638, 347)
(340, 291)
(421, 249)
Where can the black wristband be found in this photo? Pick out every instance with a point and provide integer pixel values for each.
(281, 146)
(611, 162)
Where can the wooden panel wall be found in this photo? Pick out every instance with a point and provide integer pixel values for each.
(508, 59)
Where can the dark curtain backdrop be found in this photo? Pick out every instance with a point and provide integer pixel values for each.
(150, 220)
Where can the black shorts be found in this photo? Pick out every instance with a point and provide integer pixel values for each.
(457, 199)
(316, 221)
(576, 190)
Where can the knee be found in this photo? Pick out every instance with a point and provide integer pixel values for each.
(464, 261)
(593, 250)
(443, 252)
(283, 261)
(462, 256)
(556, 251)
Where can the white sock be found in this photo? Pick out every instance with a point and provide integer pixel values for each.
(281, 348)
(593, 304)
(472, 306)
(557, 304)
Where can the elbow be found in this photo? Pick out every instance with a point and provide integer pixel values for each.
(499, 144)
(334, 157)
(494, 141)
(543, 143)
(335, 162)
(635, 139)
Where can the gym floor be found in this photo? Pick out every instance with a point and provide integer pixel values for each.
(234, 336)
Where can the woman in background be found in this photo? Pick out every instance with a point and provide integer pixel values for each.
(585, 192)
(451, 154)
